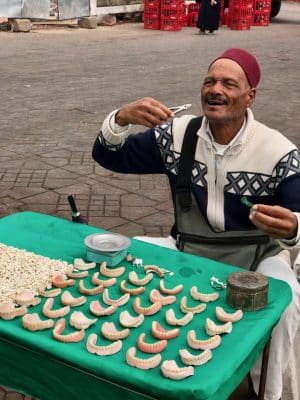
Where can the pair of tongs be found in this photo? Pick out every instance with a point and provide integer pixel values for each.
(178, 109)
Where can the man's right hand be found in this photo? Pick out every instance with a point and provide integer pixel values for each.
(147, 112)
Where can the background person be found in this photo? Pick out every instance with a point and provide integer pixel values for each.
(235, 155)
(208, 16)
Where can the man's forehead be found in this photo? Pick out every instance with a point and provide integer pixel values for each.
(227, 68)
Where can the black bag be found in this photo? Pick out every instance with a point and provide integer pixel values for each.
(243, 248)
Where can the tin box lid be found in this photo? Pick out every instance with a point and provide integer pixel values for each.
(247, 281)
(107, 242)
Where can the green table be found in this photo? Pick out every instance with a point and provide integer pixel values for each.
(37, 365)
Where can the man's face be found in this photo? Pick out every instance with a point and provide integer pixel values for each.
(226, 92)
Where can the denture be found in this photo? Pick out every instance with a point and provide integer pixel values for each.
(104, 282)
(190, 359)
(83, 266)
(32, 322)
(60, 282)
(171, 291)
(26, 298)
(205, 297)
(9, 311)
(105, 350)
(141, 363)
(170, 370)
(128, 321)
(111, 272)
(135, 280)
(160, 333)
(71, 273)
(206, 344)
(172, 320)
(110, 332)
(131, 291)
(214, 329)
(58, 313)
(118, 302)
(195, 310)
(147, 347)
(79, 321)
(97, 309)
(156, 296)
(73, 337)
(139, 309)
(154, 268)
(224, 316)
(68, 299)
(89, 292)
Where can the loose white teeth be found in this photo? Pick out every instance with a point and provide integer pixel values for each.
(172, 320)
(68, 299)
(142, 363)
(190, 359)
(83, 266)
(106, 350)
(223, 316)
(175, 290)
(206, 344)
(155, 296)
(79, 321)
(97, 309)
(132, 291)
(213, 329)
(154, 308)
(205, 297)
(111, 272)
(170, 369)
(195, 310)
(128, 321)
(89, 292)
(110, 332)
(160, 333)
(117, 302)
(32, 322)
(58, 313)
(134, 279)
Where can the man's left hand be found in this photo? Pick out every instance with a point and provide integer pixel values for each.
(276, 221)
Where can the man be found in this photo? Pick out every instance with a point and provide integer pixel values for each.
(235, 155)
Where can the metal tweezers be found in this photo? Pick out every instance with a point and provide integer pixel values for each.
(178, 109)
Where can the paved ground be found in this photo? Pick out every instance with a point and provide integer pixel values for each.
(58, 84)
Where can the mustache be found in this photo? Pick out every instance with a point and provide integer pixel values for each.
(215, 97)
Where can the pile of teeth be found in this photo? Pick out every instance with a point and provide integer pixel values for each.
(145, 292)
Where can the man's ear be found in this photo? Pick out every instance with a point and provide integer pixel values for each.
(251, 96)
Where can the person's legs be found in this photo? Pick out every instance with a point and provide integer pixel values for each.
(284, 332)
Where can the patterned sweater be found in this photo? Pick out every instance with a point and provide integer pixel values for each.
(262, 165)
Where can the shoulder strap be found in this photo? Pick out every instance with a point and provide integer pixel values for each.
(187, 158)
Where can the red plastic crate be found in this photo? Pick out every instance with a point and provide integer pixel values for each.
(167, 24)
(242, 13)
(171, 12)
(151, 22)
(262, 5)
(261, 18)
(193, 7)
(192, 19)
(183, 16)
(171, 3)
(240, 25)
(151, 3)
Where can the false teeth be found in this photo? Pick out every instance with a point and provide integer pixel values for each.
(170, 369)
(117, 302)
(155, 296)
(83, 266)
(60, 282)
(206, 344)
(106, 350)
(228, 317)
(195, 310)
(110, 332)
(147, 347)
(154, 308)
(190, 359)
(214, 329)
(68, 299)
(135, 280)
(26, 298)
(89, 292)
(160, 333)
(128, 321)
(131, 291)
(111, 272)
(58, 313)
(205, 297)
(97, 309)
(172, 320)
(142, 363)
(105, 283)
(73, 337)
(175, 290)
(32, 322)
(79, 321)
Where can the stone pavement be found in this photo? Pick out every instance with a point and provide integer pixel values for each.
(57, 85)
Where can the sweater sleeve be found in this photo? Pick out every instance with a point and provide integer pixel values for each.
(139, 154)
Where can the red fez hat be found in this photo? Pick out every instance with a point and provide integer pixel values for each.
(247, 61)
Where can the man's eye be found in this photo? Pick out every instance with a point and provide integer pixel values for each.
(230, 84)
(208, 82)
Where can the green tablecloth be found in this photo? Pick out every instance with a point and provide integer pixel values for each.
(35, 364)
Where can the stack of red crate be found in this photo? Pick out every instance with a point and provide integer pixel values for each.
(170, 15)
(262, 10)
(240, 14)
(184, 15)
(193, 10)
(151, 14)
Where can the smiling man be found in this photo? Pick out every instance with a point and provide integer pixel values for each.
(212, 163)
